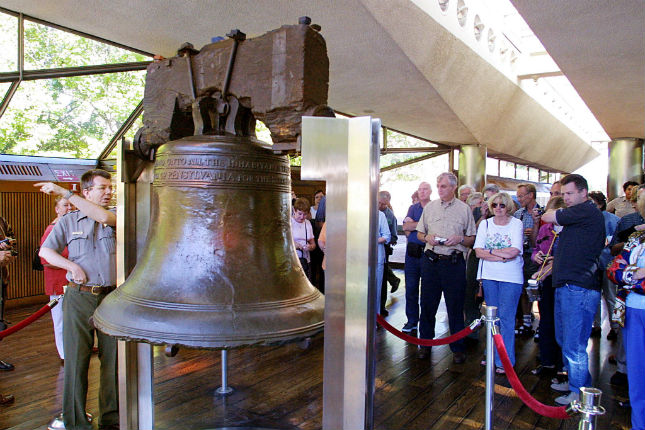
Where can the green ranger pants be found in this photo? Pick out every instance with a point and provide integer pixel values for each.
(78, 339)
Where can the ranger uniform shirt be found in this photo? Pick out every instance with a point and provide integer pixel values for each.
(445, 219)
(91, 245)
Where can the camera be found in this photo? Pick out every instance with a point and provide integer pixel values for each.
(533, 290)
(440, 240)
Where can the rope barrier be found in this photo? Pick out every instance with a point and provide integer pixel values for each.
(33, 317)
(530, 401)
(428, 342)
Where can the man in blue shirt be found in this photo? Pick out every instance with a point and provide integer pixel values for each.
(577, 293)
(413, 255)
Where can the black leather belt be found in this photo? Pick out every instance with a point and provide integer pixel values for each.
(449, 257)
(94, 289)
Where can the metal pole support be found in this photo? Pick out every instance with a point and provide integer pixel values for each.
(224, 390)
(490, 317)
(588, 407)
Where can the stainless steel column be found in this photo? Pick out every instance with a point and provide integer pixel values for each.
(340, 151)
(135, 360)
(625, 164)
(472, 165)
(224, 390)
(491, 329)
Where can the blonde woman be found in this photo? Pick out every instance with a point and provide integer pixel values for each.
(499, 245)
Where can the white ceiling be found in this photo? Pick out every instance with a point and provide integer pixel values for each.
(600, 47)
(391, 60)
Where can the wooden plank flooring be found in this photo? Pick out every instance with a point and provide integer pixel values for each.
(281, 387)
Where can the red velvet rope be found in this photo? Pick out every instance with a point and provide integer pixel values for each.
(24, 323)
(423, 342)
(530, 401)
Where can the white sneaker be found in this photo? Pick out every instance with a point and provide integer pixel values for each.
(566, 399)
(562, 387)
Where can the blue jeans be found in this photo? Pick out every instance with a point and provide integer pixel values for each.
(412, 272)
(505, 296)
(450, 279)
(634, 337)
(575, 308)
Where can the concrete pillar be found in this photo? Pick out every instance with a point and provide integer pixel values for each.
(472, 166)
(625, 164)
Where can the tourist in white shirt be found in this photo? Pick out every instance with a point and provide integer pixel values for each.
(499, 245)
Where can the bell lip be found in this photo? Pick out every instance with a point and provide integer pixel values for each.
(158, 338)
(294, 323)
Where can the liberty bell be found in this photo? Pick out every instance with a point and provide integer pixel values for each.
(219, 268)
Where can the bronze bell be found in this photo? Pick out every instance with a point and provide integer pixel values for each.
(219, 268)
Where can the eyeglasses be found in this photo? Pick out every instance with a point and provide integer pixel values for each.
(101, 188)
(501, 205)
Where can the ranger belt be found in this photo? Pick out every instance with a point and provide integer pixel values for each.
(94, 289)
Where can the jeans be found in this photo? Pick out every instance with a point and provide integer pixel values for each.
(471, 307)
(505, 296)
(412, 271)
(609, 294)
(634, 337)
(448, 278)
(575, 308)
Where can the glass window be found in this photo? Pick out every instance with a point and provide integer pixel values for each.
(492, 166)
(69, 117)
(544, 176)
(521, 172)
(533, 174)
(47, 48)
(4, 86)
(400, 140)
(9, 43)
(507, 169)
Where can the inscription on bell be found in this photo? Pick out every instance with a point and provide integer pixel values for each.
(223, 162)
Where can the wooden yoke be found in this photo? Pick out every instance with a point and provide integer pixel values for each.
(277, 78)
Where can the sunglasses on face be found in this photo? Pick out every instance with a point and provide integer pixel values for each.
(501, 205)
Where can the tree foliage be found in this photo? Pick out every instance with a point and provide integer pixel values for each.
(75, 116)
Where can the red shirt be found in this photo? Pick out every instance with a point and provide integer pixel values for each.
(55, 277)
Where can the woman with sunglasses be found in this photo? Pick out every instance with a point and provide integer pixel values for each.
(499, 245)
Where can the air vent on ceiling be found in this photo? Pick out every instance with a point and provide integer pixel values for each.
(20, 170)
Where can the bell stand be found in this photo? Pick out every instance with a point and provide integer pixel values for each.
(345, 153)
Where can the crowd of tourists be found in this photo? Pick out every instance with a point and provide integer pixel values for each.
(509, 252)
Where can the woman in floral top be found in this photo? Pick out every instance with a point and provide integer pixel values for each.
(628, 271)
(499, 245)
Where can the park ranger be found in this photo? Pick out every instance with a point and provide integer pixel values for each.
(90, 237)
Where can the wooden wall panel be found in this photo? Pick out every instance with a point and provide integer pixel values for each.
(29, 213)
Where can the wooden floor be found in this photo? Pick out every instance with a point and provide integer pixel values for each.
(281, 387)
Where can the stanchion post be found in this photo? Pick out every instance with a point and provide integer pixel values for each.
(490, 318)
(224, 390)
(588, 407)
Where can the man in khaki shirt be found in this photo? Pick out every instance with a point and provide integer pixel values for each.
(447, 227)
(90, 237)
